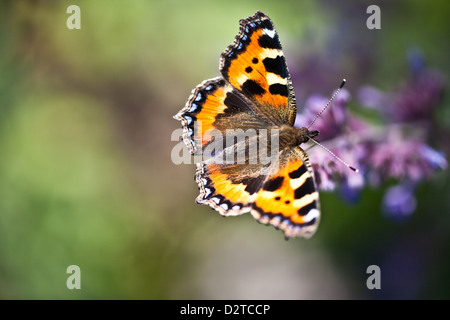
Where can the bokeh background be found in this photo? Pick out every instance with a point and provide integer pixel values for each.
(86, 176)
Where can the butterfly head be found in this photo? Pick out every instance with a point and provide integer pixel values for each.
(312, 134)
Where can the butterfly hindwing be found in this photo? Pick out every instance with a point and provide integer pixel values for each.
(255, 65)
(229, 189)
(282, 194)
(288, 199)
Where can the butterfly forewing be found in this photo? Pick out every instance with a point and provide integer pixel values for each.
(255, 65)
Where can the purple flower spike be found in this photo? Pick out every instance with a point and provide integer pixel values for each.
(399, 201)
(405, 159)
(324, 178)
(391, 159)
(395, 147)
(416, 100)
(435, 158)
(373, 98)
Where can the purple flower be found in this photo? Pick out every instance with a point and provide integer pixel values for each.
(414, 101)
(393, 147)
(404, 159)
(372, 98)
(399, 201)
(417, 99)
(436, 159)
(328, 170)
(332, 125)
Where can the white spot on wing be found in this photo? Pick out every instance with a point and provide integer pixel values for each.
(306, 199)
(295, 183)
(273, 78)
(270, 33)
(313, 213)
(216, 200)
(270, 53)
(241, 79)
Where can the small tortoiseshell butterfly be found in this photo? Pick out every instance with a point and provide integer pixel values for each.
(254, 93)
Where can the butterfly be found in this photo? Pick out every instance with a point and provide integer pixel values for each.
(253, 98)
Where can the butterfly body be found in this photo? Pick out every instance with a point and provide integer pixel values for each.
(292, 136)
(235, 121)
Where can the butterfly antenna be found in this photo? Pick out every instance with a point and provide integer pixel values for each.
(328, 103)
(335, 156)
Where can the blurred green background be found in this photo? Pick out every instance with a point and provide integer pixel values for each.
(86, 176)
